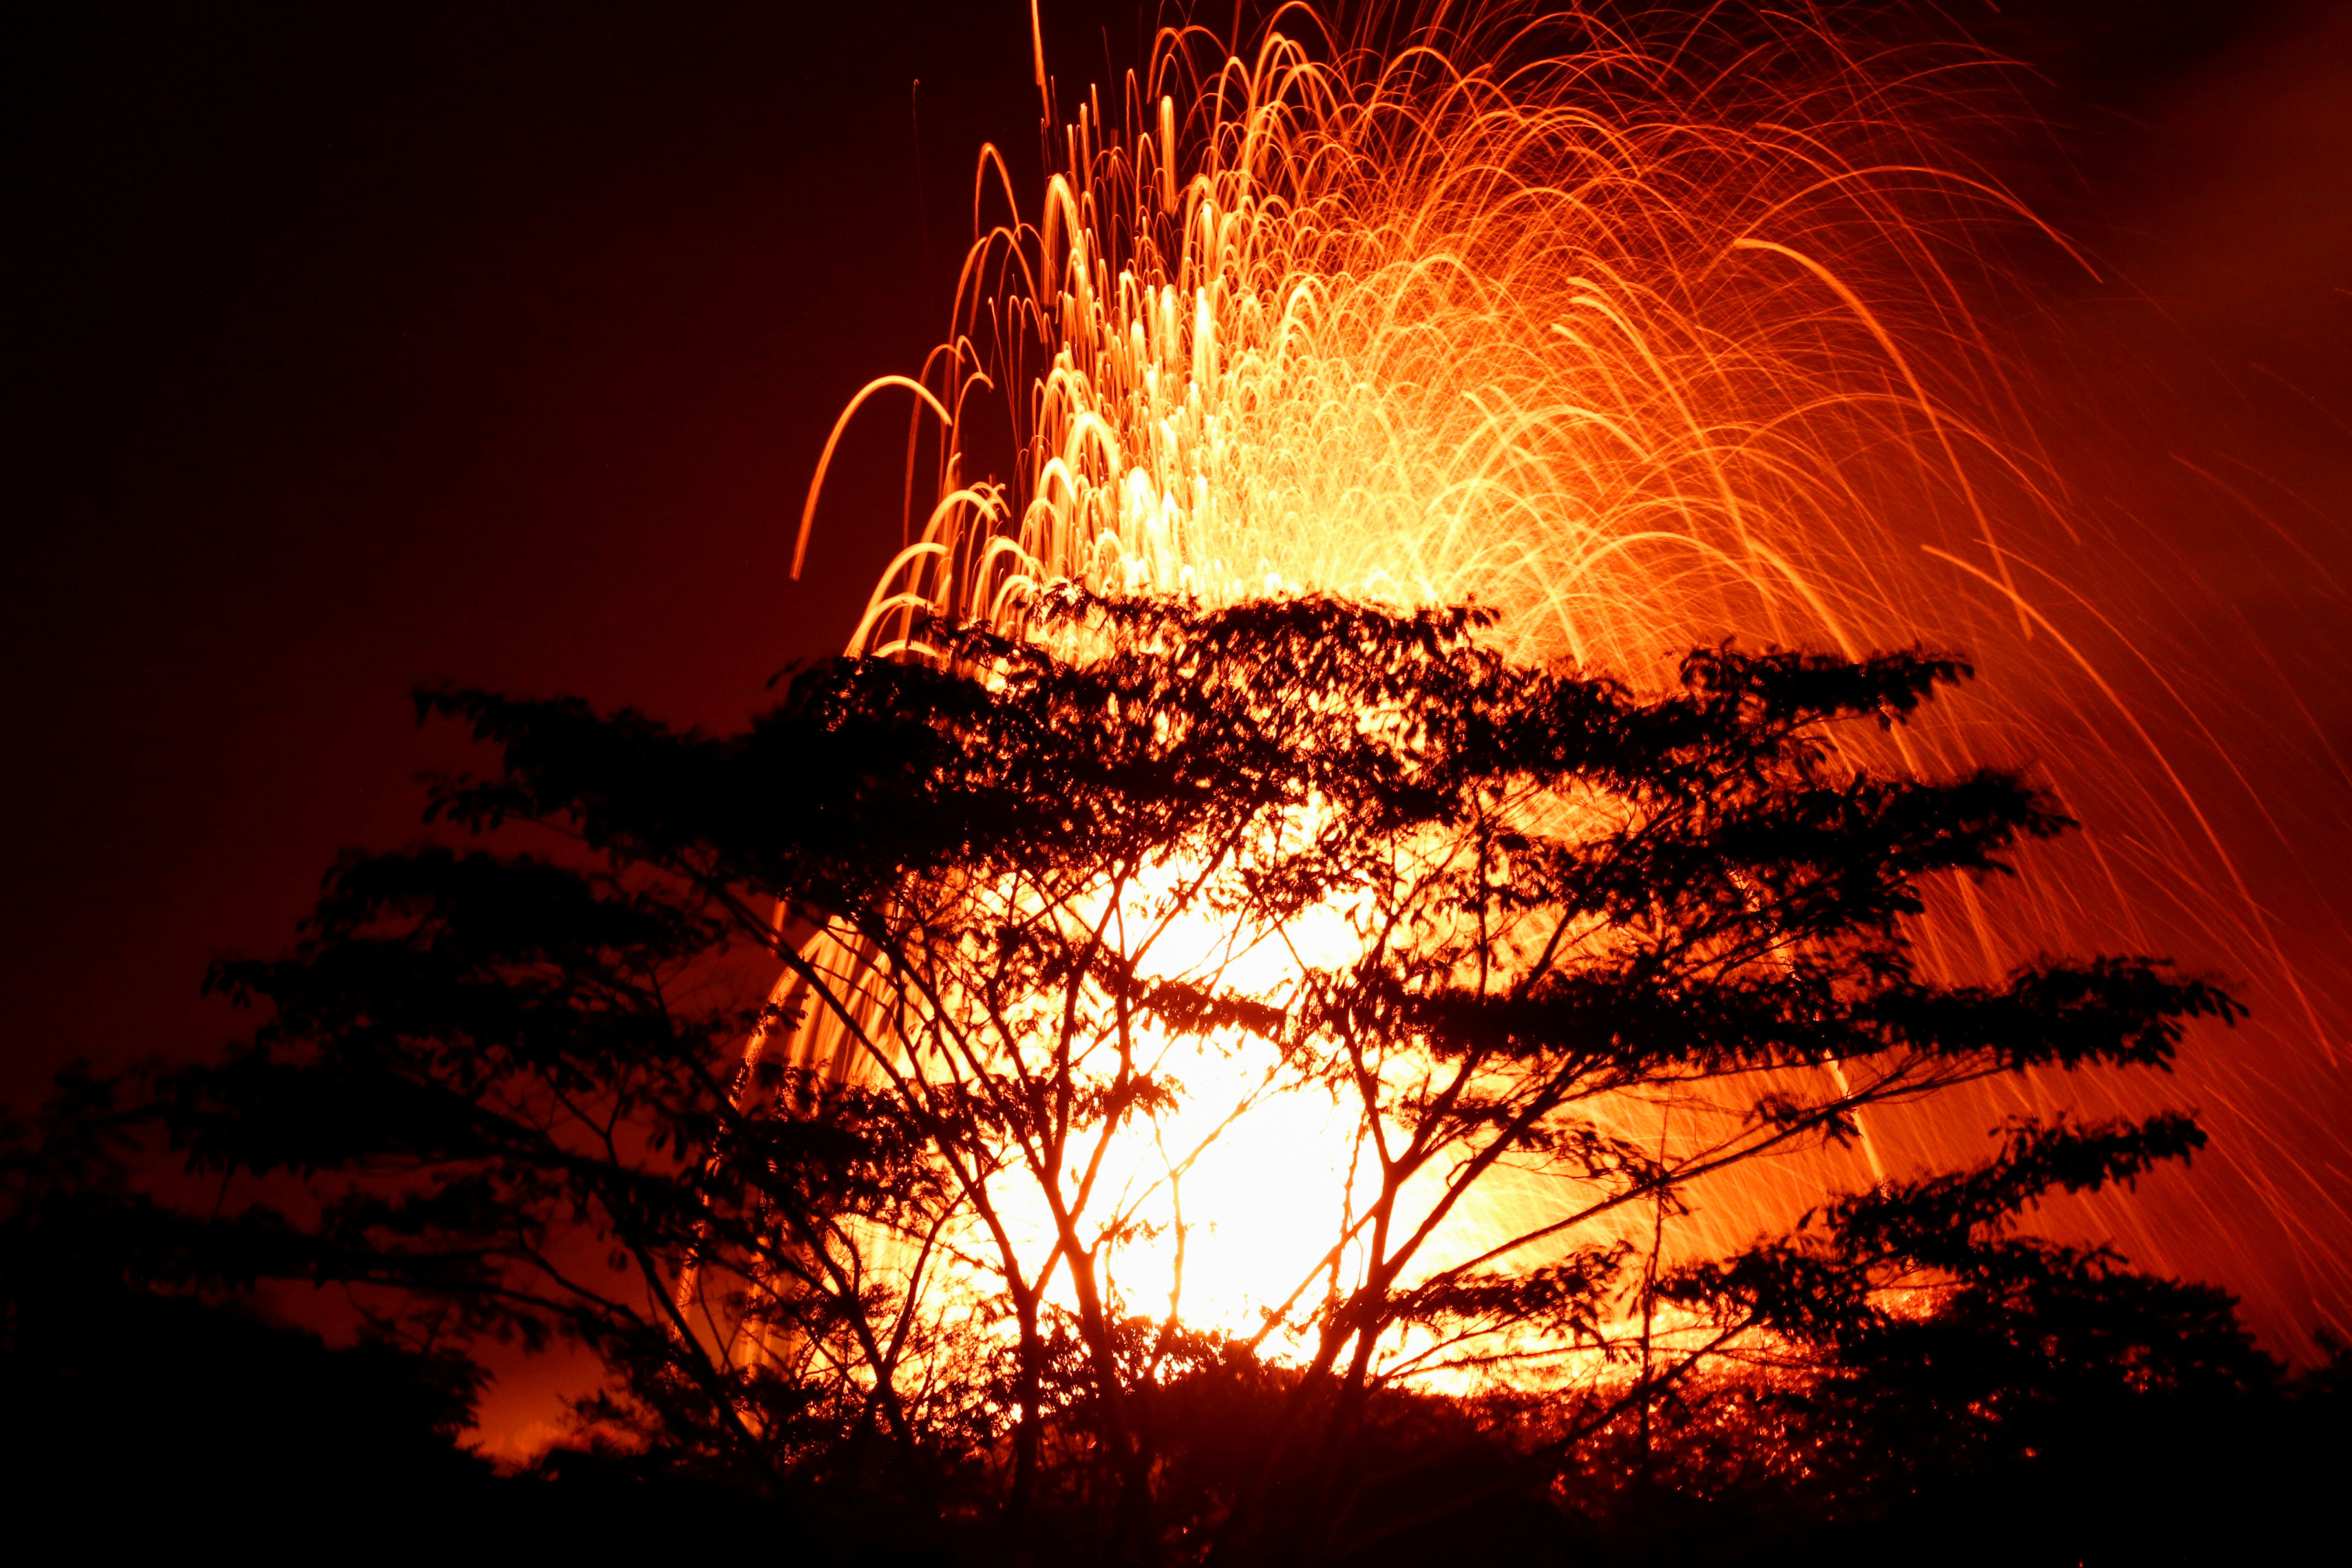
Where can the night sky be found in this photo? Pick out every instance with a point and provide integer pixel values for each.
(357, 345)
(365, 345)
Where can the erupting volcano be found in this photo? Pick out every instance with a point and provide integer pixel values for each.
(1643, 340)
(1595, 809)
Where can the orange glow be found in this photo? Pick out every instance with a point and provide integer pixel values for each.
(1562, 320)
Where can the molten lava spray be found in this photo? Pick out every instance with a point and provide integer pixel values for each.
(1644, 341)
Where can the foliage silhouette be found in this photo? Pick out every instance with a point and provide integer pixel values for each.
(138, 1392)
(876, 1252)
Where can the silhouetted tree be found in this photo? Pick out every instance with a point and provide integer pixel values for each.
(1010, 884)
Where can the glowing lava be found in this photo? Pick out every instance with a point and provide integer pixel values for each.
(1644, 340)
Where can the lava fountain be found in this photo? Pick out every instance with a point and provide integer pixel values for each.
(1643, 340)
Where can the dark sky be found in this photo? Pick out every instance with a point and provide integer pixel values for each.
(356, 345)
(362, 344)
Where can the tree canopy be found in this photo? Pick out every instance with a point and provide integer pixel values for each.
(838, 1081)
